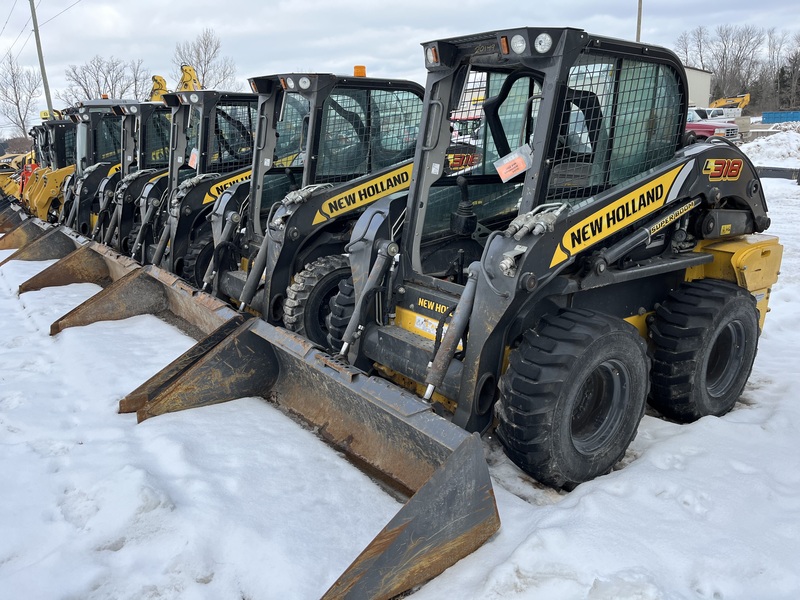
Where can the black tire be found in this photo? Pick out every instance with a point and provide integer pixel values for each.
(689, 138)
(705, 337)
(126, 243)
(342, 307)
(307, 303)
(198, 257)
(572, 397)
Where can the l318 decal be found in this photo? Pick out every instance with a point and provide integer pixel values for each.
(723, 169)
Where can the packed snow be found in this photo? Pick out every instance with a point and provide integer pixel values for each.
(778, 149)
(237, 501)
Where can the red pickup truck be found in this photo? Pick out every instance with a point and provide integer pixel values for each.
(700, 129)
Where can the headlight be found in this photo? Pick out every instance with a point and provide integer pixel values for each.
(518, 43)
(290, 83)
(133, 109)
(542, 43)
(431, 55)
(720, 131)
(194, 97)
(304, 83)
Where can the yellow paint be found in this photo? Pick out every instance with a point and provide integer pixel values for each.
(750, 261)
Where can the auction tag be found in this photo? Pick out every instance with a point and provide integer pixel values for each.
(193, 158)
(514, 163)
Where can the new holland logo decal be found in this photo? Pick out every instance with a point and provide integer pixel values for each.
(364, 194)
(220, 187)
(613, 217)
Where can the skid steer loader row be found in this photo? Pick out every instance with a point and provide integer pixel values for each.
(570, 262)
(97, 155)
(328, 146)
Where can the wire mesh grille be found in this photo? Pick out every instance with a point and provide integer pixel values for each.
(366, 130)
(69, 147)
(289, 143)
(154, 133)
(232, 136)
(108, 139)
(620, 118)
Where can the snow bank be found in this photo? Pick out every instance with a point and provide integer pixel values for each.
(776, 150)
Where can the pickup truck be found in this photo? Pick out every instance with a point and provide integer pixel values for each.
(701, 129)
(718, 114)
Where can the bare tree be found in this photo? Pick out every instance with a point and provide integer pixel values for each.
(792, 96)
(141, 80)
(692, 47)
(110, 76)
(683, 48)
(19, 89)
(735, 58)
(770, 75)
(700, 41)
(213, 71)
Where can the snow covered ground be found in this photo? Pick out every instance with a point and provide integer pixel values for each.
(238, 502)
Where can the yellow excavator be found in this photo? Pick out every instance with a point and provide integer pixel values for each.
(739, 101)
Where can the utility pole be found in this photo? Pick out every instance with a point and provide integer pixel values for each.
(638, 22)
(41, 62)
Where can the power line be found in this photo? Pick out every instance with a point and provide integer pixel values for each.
(25, 43)
(21, 31)
(8, 17)
(60, 13)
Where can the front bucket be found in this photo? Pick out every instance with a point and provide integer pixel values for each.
(139, 397)
(23, 234)
(10, 217)
(394, 434)
(150, 290)
(55, 242)
(89, 263)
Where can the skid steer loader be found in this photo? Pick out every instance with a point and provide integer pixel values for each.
(145, 158)
(589, 263)
(42, 196)
(99, 155)
(211, 148)
(328, 146)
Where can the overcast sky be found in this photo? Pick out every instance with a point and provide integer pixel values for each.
(269, 36)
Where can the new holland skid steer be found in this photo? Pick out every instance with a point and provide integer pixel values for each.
(328, 146)
(98, 156)
(145, 157)
(211, 148)
(42, 196)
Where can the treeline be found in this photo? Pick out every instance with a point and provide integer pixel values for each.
(747, 59)
(21, 87)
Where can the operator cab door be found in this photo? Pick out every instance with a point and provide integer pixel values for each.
(492, 114)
